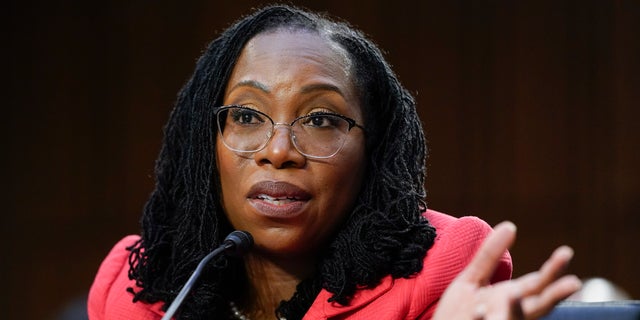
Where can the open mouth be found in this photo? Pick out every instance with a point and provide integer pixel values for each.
(277, 201)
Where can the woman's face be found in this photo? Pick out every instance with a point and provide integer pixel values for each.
(289, 203)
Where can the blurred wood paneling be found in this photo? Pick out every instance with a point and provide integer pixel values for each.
(531, 111)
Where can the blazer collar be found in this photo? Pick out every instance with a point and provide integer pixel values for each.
(321, 308)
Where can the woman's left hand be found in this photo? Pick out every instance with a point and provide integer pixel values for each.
(530, 296)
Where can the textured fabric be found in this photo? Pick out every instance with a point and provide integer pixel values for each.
(108, 297)
(414, 298)
(456, 242)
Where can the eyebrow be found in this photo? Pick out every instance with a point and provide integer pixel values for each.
(306, 89)
(252, 84)
(321, 87)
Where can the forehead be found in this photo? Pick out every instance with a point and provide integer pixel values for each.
(285, 59)
(291, 44)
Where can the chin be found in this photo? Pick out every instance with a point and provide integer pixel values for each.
(284, 244)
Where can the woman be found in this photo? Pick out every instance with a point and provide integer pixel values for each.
(295, 129)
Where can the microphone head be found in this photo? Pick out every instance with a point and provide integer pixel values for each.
(239, 242)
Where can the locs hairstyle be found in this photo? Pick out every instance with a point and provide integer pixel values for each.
(183, 221)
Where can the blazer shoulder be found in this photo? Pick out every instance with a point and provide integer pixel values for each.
(467, 226)
(108, 296)
(457, 240)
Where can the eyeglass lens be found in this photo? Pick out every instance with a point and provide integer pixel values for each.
(319, 135)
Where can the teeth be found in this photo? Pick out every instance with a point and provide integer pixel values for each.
(275, 201)
(278, 202)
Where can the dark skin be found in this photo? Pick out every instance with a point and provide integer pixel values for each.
(287, 74)
(528, 297)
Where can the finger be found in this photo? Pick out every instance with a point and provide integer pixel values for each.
(525, 285)
(486, 259)
(539, 305)
(550, 271)
(503, 302)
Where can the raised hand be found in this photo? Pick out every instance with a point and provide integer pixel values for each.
(528, 297)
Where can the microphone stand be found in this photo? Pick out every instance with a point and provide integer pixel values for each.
(241, 240)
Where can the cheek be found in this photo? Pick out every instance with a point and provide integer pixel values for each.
(229, 163)
(234, 172)
(222, 162)
(228, 167)
(347, 176)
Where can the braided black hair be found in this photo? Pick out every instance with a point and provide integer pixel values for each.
(183, 221)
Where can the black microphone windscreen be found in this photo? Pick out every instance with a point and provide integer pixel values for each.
(241, 242)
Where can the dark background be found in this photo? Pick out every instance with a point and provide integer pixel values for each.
(530, 107)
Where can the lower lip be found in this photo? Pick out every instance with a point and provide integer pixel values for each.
(287, 210)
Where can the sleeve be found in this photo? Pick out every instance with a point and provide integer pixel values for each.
(504, 268)
(108, 296)
(456, 244)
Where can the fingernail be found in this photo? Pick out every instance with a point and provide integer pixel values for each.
(566, 251)
(510, 225)
(576, 283)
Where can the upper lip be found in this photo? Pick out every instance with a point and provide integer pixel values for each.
(278, 190)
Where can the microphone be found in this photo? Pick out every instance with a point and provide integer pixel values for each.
(239, 242)
(236, 244)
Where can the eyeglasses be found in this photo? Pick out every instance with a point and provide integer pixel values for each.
(317, 135)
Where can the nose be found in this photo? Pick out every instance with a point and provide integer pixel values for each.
(280, 151)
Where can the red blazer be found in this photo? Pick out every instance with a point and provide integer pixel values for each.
(414, 298)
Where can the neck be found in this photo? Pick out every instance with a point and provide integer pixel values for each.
(272, 280)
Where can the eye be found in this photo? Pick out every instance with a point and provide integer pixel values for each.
(321, 120)
(245, 116)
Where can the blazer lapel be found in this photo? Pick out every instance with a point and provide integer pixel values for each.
(322, 309)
